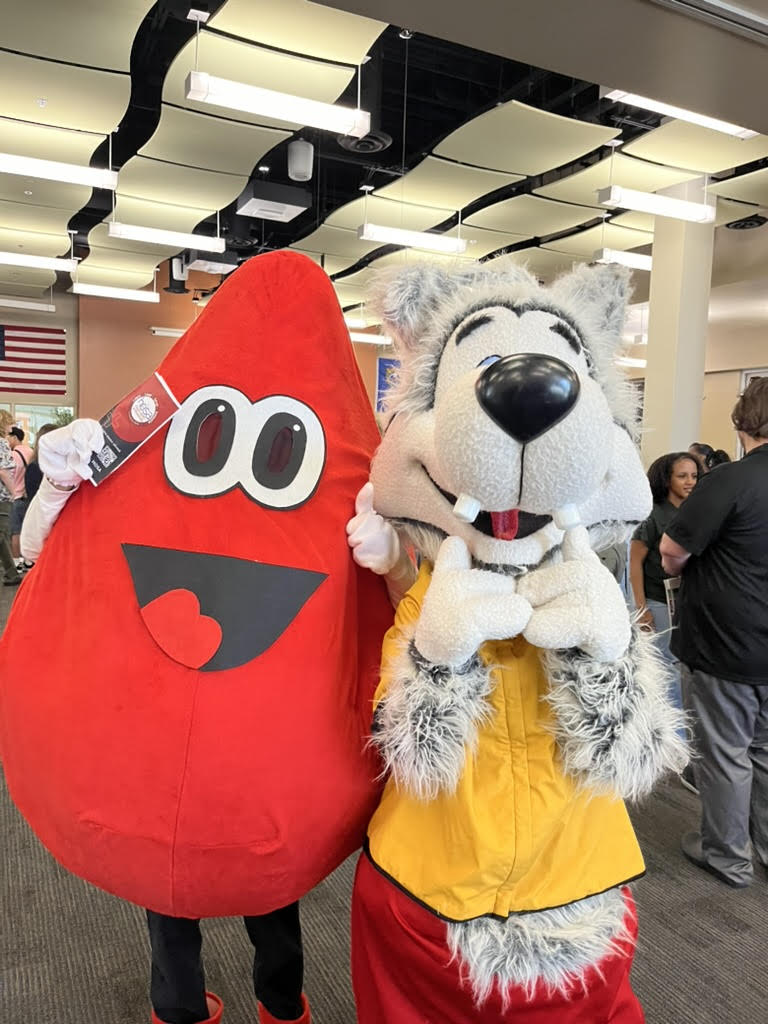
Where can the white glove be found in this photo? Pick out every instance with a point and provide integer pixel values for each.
(373, 540)
(577, 604)
(64, 454)
(464, 607)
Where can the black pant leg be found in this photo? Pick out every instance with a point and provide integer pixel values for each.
(278, 962)
(177, 988)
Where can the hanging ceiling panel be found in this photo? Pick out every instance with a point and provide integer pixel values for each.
(212, 143)
(46, 143)
(75, 97)
(156, 215)
(523, 139)
(349, 296)
(33, 243)
(407, 257)
(530, 215)
(301, 27)
(57, 30)
(682, 144)
(604, 236)
(38, 219)
(254, 65)
(25, 282)
(336, 242)
(120, 276)
(482, 242)
(444, 184)
(160, 182)
(581, 188)
(748, 188)
(387, 212)
(61, 199)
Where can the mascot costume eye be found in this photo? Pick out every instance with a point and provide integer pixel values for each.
(193, 737)
(518, 705)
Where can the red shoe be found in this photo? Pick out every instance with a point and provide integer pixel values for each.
(265, 1017)
(215, 1009)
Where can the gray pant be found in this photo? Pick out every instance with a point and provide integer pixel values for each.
(6, 558)
(731, 733)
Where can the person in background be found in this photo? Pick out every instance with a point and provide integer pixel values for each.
(33, 475)
(719, 542)
(708, 457)
(11, 577)
(672, 478)
(22, 456)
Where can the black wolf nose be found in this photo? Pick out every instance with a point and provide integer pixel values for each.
(527, 395)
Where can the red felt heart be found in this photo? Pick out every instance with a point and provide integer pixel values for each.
(177, 626)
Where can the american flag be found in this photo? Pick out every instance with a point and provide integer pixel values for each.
(33, 360)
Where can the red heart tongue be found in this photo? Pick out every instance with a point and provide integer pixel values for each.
(177, 627)
(504, 524)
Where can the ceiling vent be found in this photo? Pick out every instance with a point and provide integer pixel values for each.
(209, 263)
(754, 220)
(374, 142)
(273, 202)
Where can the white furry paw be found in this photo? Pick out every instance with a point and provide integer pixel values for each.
(577, 604)
(464, 607)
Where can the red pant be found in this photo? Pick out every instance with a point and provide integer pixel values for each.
(402, 971)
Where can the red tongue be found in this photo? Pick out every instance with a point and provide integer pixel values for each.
(504, 524)
(177, 626)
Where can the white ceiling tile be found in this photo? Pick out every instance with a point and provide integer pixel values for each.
(682, 144)
(444, 184)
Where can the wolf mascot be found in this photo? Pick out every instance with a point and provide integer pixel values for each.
(518, 707)
(193, 737)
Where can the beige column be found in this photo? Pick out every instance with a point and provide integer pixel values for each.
(677, 329)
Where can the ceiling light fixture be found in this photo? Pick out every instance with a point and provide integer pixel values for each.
(355, 322)
(222, 92)
(629, 361)
(635, 260)
(54, 170)
(39, 307)
(412, 239)
(157, 236)
(370, 339)
(166, 332)
(107, 292)
(620, 96)
(199, 261)
(17, 259)
(660, 206)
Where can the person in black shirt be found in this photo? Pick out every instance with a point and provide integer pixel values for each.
(672, 478)
(719, 541)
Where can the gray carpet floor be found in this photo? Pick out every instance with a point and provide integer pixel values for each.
(71, 954)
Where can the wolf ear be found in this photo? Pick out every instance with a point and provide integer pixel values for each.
(406, 299)
(597, 295)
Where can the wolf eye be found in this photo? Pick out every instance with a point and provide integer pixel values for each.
(488, 360)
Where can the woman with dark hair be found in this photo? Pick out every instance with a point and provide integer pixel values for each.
(672, 478)
(707, 457)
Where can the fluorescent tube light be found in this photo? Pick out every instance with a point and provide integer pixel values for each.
(413, 239)
(166, 332)
(17, 259)
(157, 236)
(629, 361)
(660, 206)
(370, 339)
(222, 92)
(355, 321)
(625, 259)
(106, 292)
(40, 307)
(54, 170)
(619, 96)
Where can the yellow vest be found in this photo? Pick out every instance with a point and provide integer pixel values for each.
(518, 834)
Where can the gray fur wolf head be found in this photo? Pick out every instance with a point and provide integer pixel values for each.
(508, 393)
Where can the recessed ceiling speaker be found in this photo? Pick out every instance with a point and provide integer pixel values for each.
(301, 155)
(753, 220)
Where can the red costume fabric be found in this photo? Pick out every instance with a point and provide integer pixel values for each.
(192, 737)
(402, 970)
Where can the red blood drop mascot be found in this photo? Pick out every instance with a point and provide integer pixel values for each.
(193, 739)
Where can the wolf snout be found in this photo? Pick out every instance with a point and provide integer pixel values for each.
(527, 394)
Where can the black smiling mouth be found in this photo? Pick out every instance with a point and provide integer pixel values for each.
(253, 603)
(528, 523)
